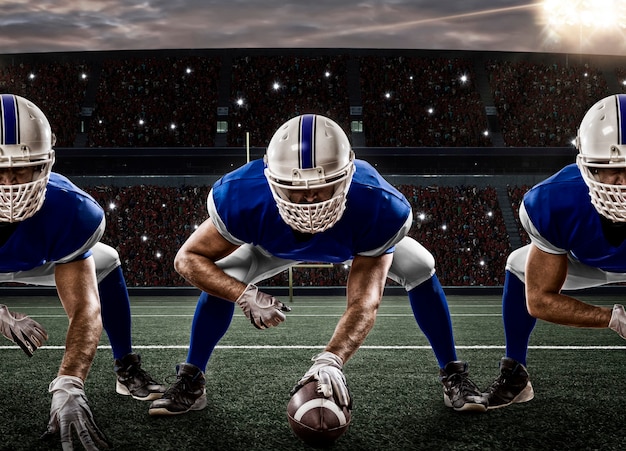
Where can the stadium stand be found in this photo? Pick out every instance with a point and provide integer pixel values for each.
(421, 102)
(268, 90)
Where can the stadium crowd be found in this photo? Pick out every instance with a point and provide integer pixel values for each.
(541, 105)
(419, 102)
(401, 101)
(266, 89)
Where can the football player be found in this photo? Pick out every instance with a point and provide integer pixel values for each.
(49, 236)
(576, 220)
(309, 199)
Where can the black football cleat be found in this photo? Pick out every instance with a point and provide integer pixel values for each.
(459, 392)
(187, 393)
(134, 381)
(511, 386)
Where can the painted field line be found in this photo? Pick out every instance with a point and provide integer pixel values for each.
(399, 347)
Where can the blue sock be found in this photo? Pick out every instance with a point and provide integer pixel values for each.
(518, 324)
(115, 311)
(210, 322)
(430, 310)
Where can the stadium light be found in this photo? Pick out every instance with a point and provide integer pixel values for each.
(598, 14)
(567, 19)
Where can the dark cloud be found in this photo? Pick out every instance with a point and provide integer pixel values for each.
(115, 25)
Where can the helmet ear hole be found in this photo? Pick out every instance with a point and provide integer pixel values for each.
(309, 152)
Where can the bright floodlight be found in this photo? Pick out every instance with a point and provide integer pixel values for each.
(597, 14)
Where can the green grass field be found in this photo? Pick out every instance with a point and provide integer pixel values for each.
(577, 375)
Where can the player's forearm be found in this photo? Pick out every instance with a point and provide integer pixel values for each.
(205, 275)
(565, 310)
(366, 283)
(81, 343)
(352, 330)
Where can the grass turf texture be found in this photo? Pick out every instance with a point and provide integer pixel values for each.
(398, 399)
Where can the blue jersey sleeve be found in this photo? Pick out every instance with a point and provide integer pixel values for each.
(559, 208)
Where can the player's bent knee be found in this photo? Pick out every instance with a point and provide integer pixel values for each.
(516, 262)
(106, 259)
(412, 264)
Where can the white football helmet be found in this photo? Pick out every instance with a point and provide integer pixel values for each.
(26, 140)
(309, 152)
(601, 145)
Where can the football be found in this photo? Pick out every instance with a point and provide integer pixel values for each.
(318, 421)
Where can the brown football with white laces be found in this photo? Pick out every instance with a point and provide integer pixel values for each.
(315, 419)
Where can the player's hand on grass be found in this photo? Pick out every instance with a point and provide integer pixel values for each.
(70, 413)
(327, 369)
(618, 320)
(261, 309)
(27, 333)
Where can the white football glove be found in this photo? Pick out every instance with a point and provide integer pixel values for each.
(261, 309)
(27, 333)
(327, 369)
(618, 320)
(69, 412)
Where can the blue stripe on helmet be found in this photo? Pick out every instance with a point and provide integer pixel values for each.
(621, 117)
(9, 120)
(307, 144)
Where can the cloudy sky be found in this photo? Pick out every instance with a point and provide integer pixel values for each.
(508, 25)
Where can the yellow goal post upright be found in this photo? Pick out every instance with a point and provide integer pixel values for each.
(303, 265)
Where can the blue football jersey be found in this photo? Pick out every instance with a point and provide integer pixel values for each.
(62, 228)
(375, 212)
(560, 209)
